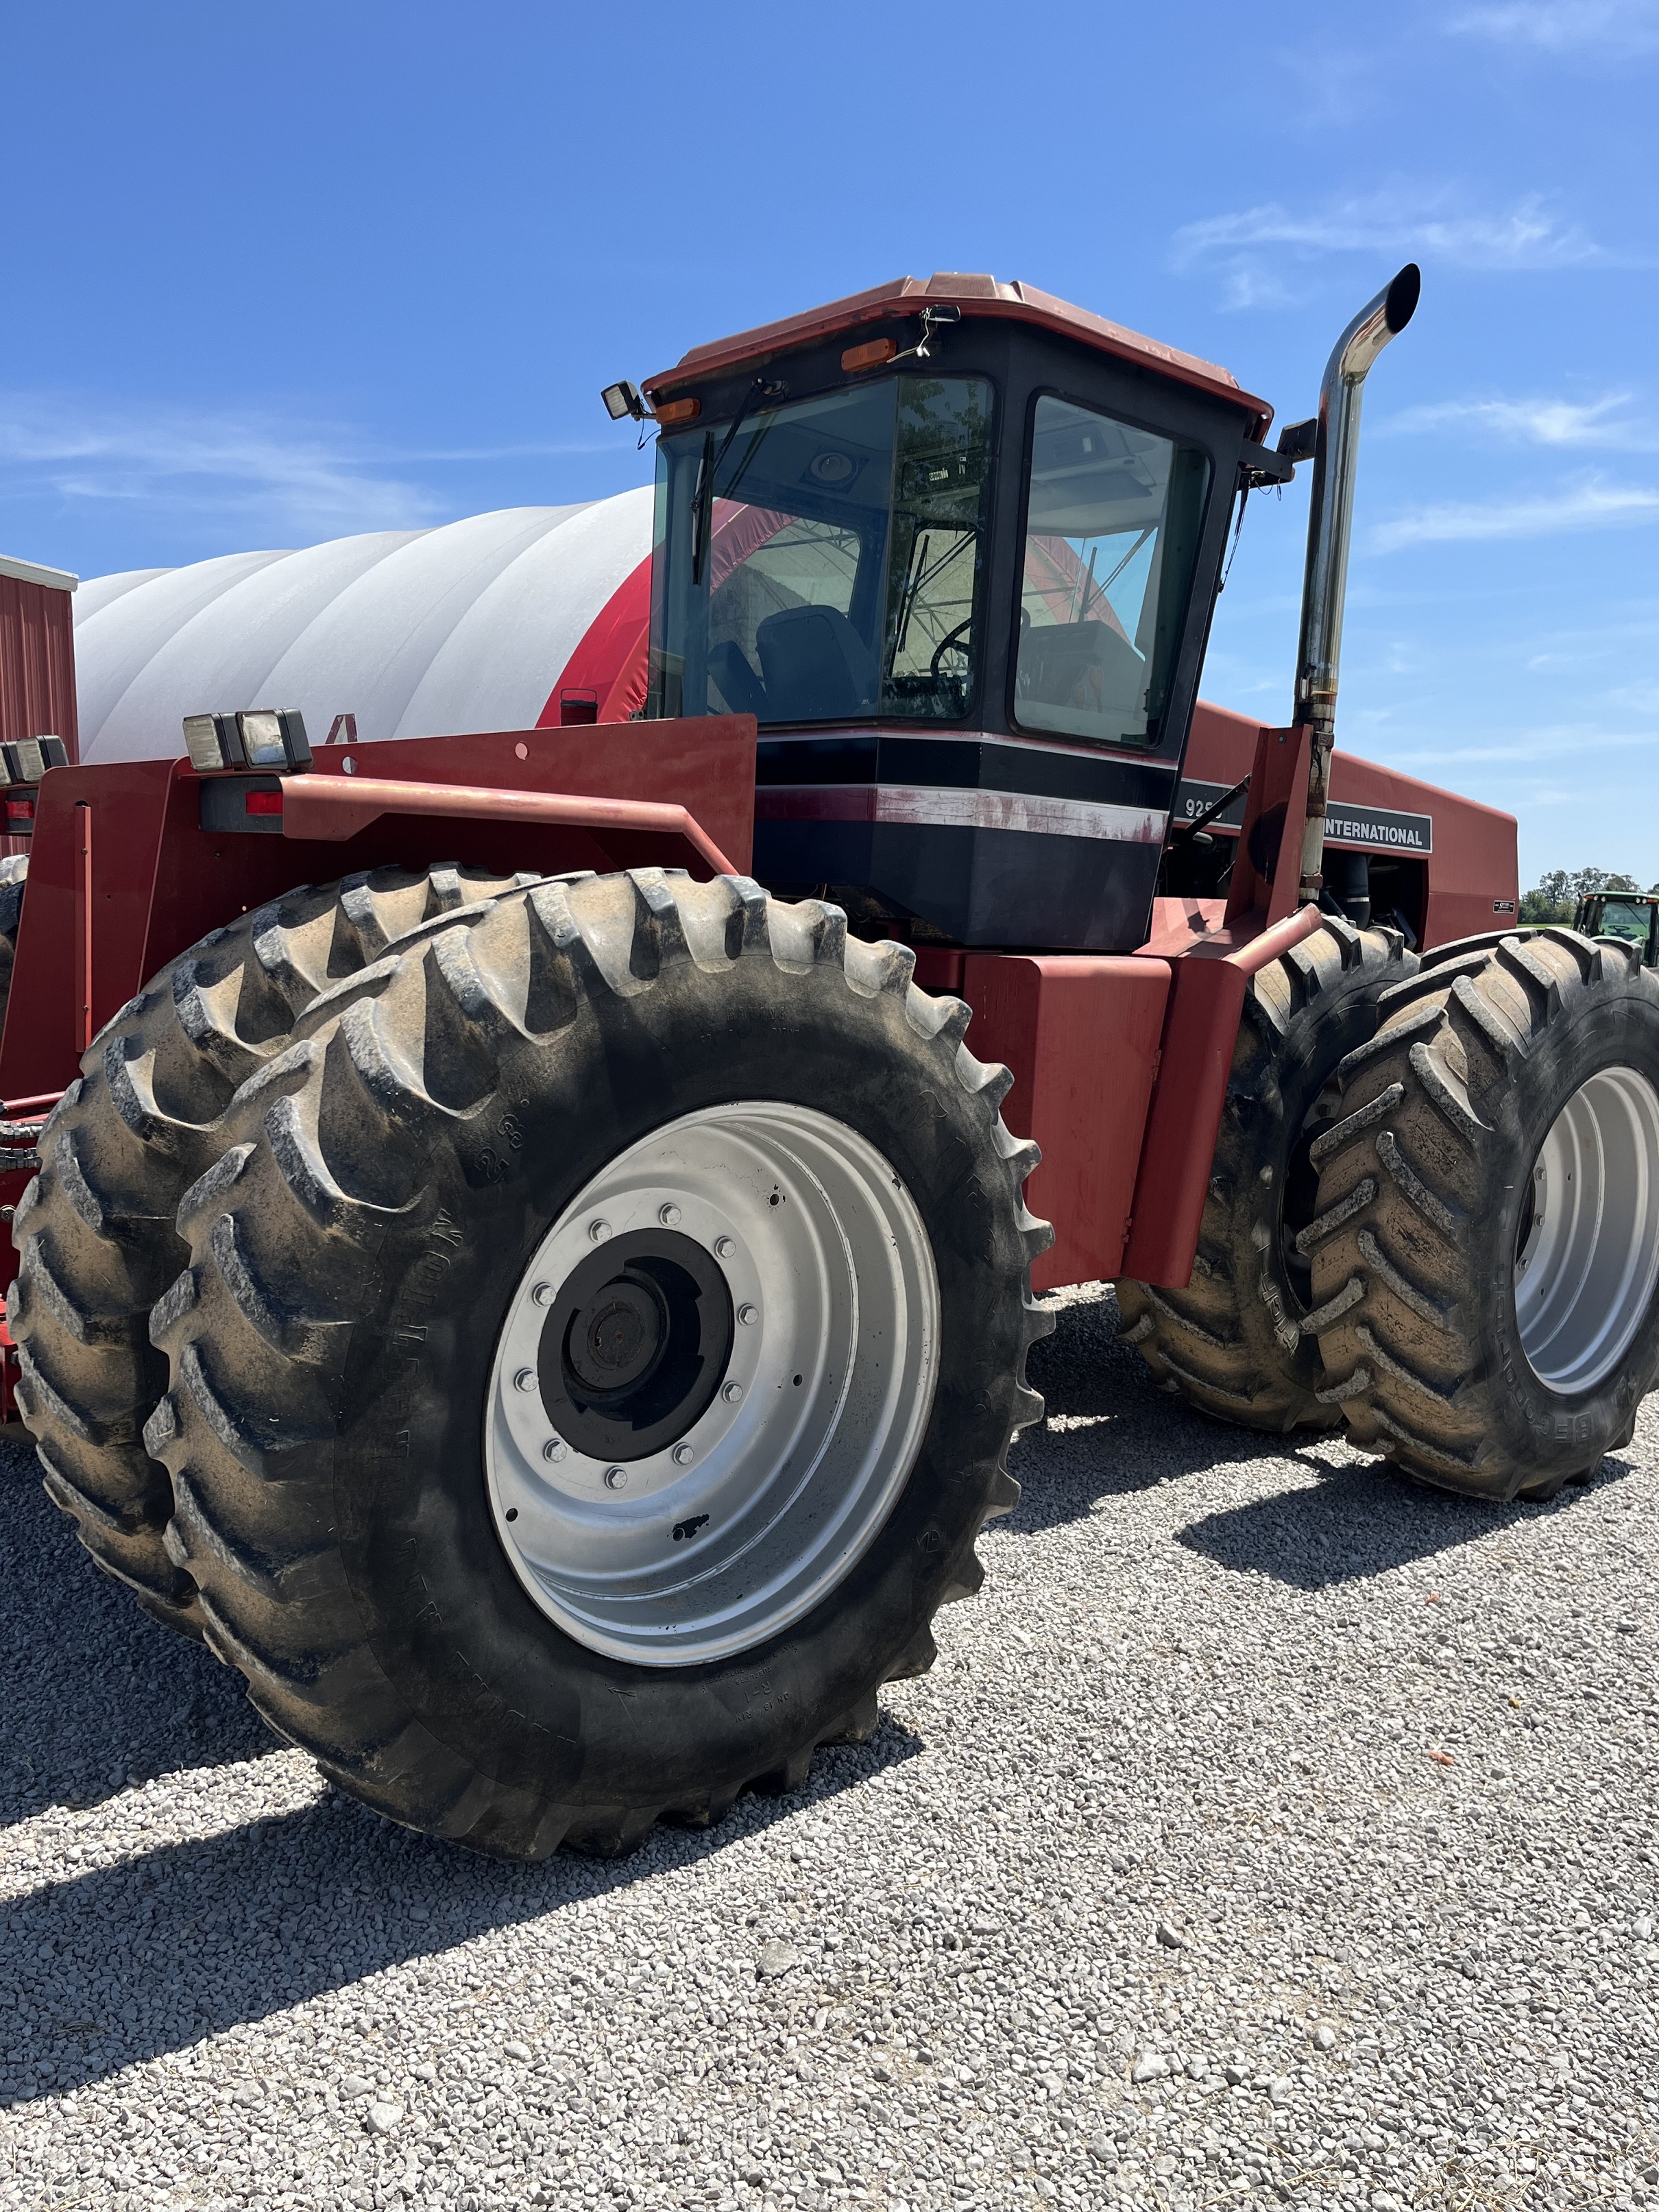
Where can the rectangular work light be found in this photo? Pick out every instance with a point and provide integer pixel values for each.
(253, 737)
(28, 761)
(622, 400)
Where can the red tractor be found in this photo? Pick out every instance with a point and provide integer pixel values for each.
(550, 1306)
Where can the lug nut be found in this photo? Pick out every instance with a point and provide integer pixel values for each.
(524, 1379)
(724, 1247)
(616, 1478)
(668, 1215)
(749, 1315)
(732, 1393)
(543, 1294)
(599, 1230)
(684, 1455)
(554, 1450)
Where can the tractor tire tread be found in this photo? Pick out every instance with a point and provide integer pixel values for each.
(1413, 1178)
(96, 1234)
(1230, 1341)
(320, 1147)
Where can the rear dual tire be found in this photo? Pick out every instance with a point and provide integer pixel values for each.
(1487, 1251)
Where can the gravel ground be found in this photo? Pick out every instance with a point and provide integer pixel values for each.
(1265, 1827)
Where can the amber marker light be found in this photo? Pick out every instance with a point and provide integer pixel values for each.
(870, 354)
(674, 411)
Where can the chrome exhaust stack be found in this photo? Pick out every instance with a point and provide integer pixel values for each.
(1330, 523)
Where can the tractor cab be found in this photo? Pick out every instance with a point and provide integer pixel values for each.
(955, 545)
(1632, 917)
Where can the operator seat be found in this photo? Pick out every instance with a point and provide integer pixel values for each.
(815, 663)
(1088, 666)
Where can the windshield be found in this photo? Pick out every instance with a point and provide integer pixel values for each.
(836, 572)
(1624, 918)
(1111, 535)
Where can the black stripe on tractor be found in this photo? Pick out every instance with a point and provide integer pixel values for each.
(1012, 889)
(965, 764)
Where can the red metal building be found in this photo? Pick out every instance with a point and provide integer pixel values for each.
(37, 653)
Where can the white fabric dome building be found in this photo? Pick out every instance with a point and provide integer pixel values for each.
(484, 625)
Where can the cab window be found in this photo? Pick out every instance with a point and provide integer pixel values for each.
(1111, 538)
(823, 561)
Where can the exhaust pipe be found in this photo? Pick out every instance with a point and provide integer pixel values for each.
(1330, 522)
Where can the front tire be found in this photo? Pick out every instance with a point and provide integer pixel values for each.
(464, 1258)
(1487, 1246)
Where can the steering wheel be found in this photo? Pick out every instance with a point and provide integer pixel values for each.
(945, 645)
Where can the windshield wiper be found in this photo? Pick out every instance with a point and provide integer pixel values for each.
(703, 499)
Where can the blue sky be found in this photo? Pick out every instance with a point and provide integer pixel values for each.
(273, 276)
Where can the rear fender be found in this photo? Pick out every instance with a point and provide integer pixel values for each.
(1208, 980)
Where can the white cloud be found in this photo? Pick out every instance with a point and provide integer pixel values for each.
(1590, 504)
(1527, 236)
(298, 482)
(1533, 422)
(1570, 27)
(1550, 745)
(1251, 283)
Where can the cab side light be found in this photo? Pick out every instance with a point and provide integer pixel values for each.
(870, 354)
(673, 411)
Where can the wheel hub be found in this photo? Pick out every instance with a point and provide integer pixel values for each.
(711, 1383)
(636, 1344)
(615, 1340)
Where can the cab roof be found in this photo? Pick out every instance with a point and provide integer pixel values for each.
(987, 296)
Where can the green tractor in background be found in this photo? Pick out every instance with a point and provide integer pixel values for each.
(1629, 916)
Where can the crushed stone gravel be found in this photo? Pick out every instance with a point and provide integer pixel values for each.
(1267, 1830)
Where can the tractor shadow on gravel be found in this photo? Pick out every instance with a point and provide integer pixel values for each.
(106, 1968)
(93, 1693)
(1109, 1431)
(129, 1962)
(1358, 1519)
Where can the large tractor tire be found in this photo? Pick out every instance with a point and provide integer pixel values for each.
(599, 1351)
(1487, 1251)
(1234, 1342)
(96, 1229)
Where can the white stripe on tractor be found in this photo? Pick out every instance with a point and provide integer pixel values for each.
(937, 807)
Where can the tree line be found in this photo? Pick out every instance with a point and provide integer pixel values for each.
(1555, 897)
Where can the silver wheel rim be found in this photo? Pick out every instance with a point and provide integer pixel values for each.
(726, 1531)
(1589, 1257)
